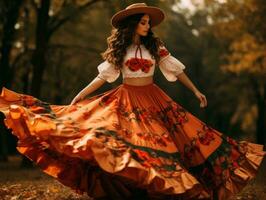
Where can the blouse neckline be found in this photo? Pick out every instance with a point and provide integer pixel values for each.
(135, 45)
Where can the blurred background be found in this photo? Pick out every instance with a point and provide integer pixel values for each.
(51, 49)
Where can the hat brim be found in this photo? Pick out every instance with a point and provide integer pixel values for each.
(156, 15)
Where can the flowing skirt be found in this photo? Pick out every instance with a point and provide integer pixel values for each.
(130, 138)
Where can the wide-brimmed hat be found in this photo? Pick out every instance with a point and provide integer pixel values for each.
(155, 13)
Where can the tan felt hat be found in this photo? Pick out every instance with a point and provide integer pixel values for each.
(155, 13)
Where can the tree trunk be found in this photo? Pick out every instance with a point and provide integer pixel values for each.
(11, 13)
(38, 58)
(9, 20)
(261, 120)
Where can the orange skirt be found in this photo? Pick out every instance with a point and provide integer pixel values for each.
(128, 138)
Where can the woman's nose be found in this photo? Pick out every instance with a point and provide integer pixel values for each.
(148, 26)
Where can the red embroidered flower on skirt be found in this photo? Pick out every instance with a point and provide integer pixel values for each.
(163, 52)
(134, 64)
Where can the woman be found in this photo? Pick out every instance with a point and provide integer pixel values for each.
(133, 137)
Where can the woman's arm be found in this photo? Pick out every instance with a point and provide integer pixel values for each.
(91, 87)
(183, 78)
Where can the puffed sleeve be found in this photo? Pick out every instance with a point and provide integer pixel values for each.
(108, 72)
(169, 65)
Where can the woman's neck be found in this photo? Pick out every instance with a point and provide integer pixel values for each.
(136, 39)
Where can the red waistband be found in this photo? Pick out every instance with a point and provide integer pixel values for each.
(138, 86)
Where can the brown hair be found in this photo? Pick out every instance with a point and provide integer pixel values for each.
(121, 38)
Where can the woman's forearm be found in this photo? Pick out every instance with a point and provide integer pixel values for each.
(183, 78)
(91, 87)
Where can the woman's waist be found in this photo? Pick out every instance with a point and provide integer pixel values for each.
(138, 81)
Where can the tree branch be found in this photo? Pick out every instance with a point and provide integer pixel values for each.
(55, 24)
(78, 47)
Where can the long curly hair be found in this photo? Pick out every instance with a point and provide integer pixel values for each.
(121, 38)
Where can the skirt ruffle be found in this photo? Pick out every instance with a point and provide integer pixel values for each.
(130, 137)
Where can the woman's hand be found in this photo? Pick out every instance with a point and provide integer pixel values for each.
(184, 79)
(76, 99)
(202, 98)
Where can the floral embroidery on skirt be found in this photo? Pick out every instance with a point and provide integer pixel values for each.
(130, 137)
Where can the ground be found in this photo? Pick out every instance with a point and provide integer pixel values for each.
(33, 184)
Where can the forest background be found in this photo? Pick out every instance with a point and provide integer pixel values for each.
(51, 49)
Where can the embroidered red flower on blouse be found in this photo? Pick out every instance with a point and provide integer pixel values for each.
(163, 52)
(135, 64)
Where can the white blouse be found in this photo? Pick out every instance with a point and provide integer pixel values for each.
(138, 62)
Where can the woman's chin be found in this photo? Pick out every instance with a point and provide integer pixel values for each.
(144, 34)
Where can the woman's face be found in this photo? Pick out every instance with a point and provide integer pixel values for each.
(143, 25)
